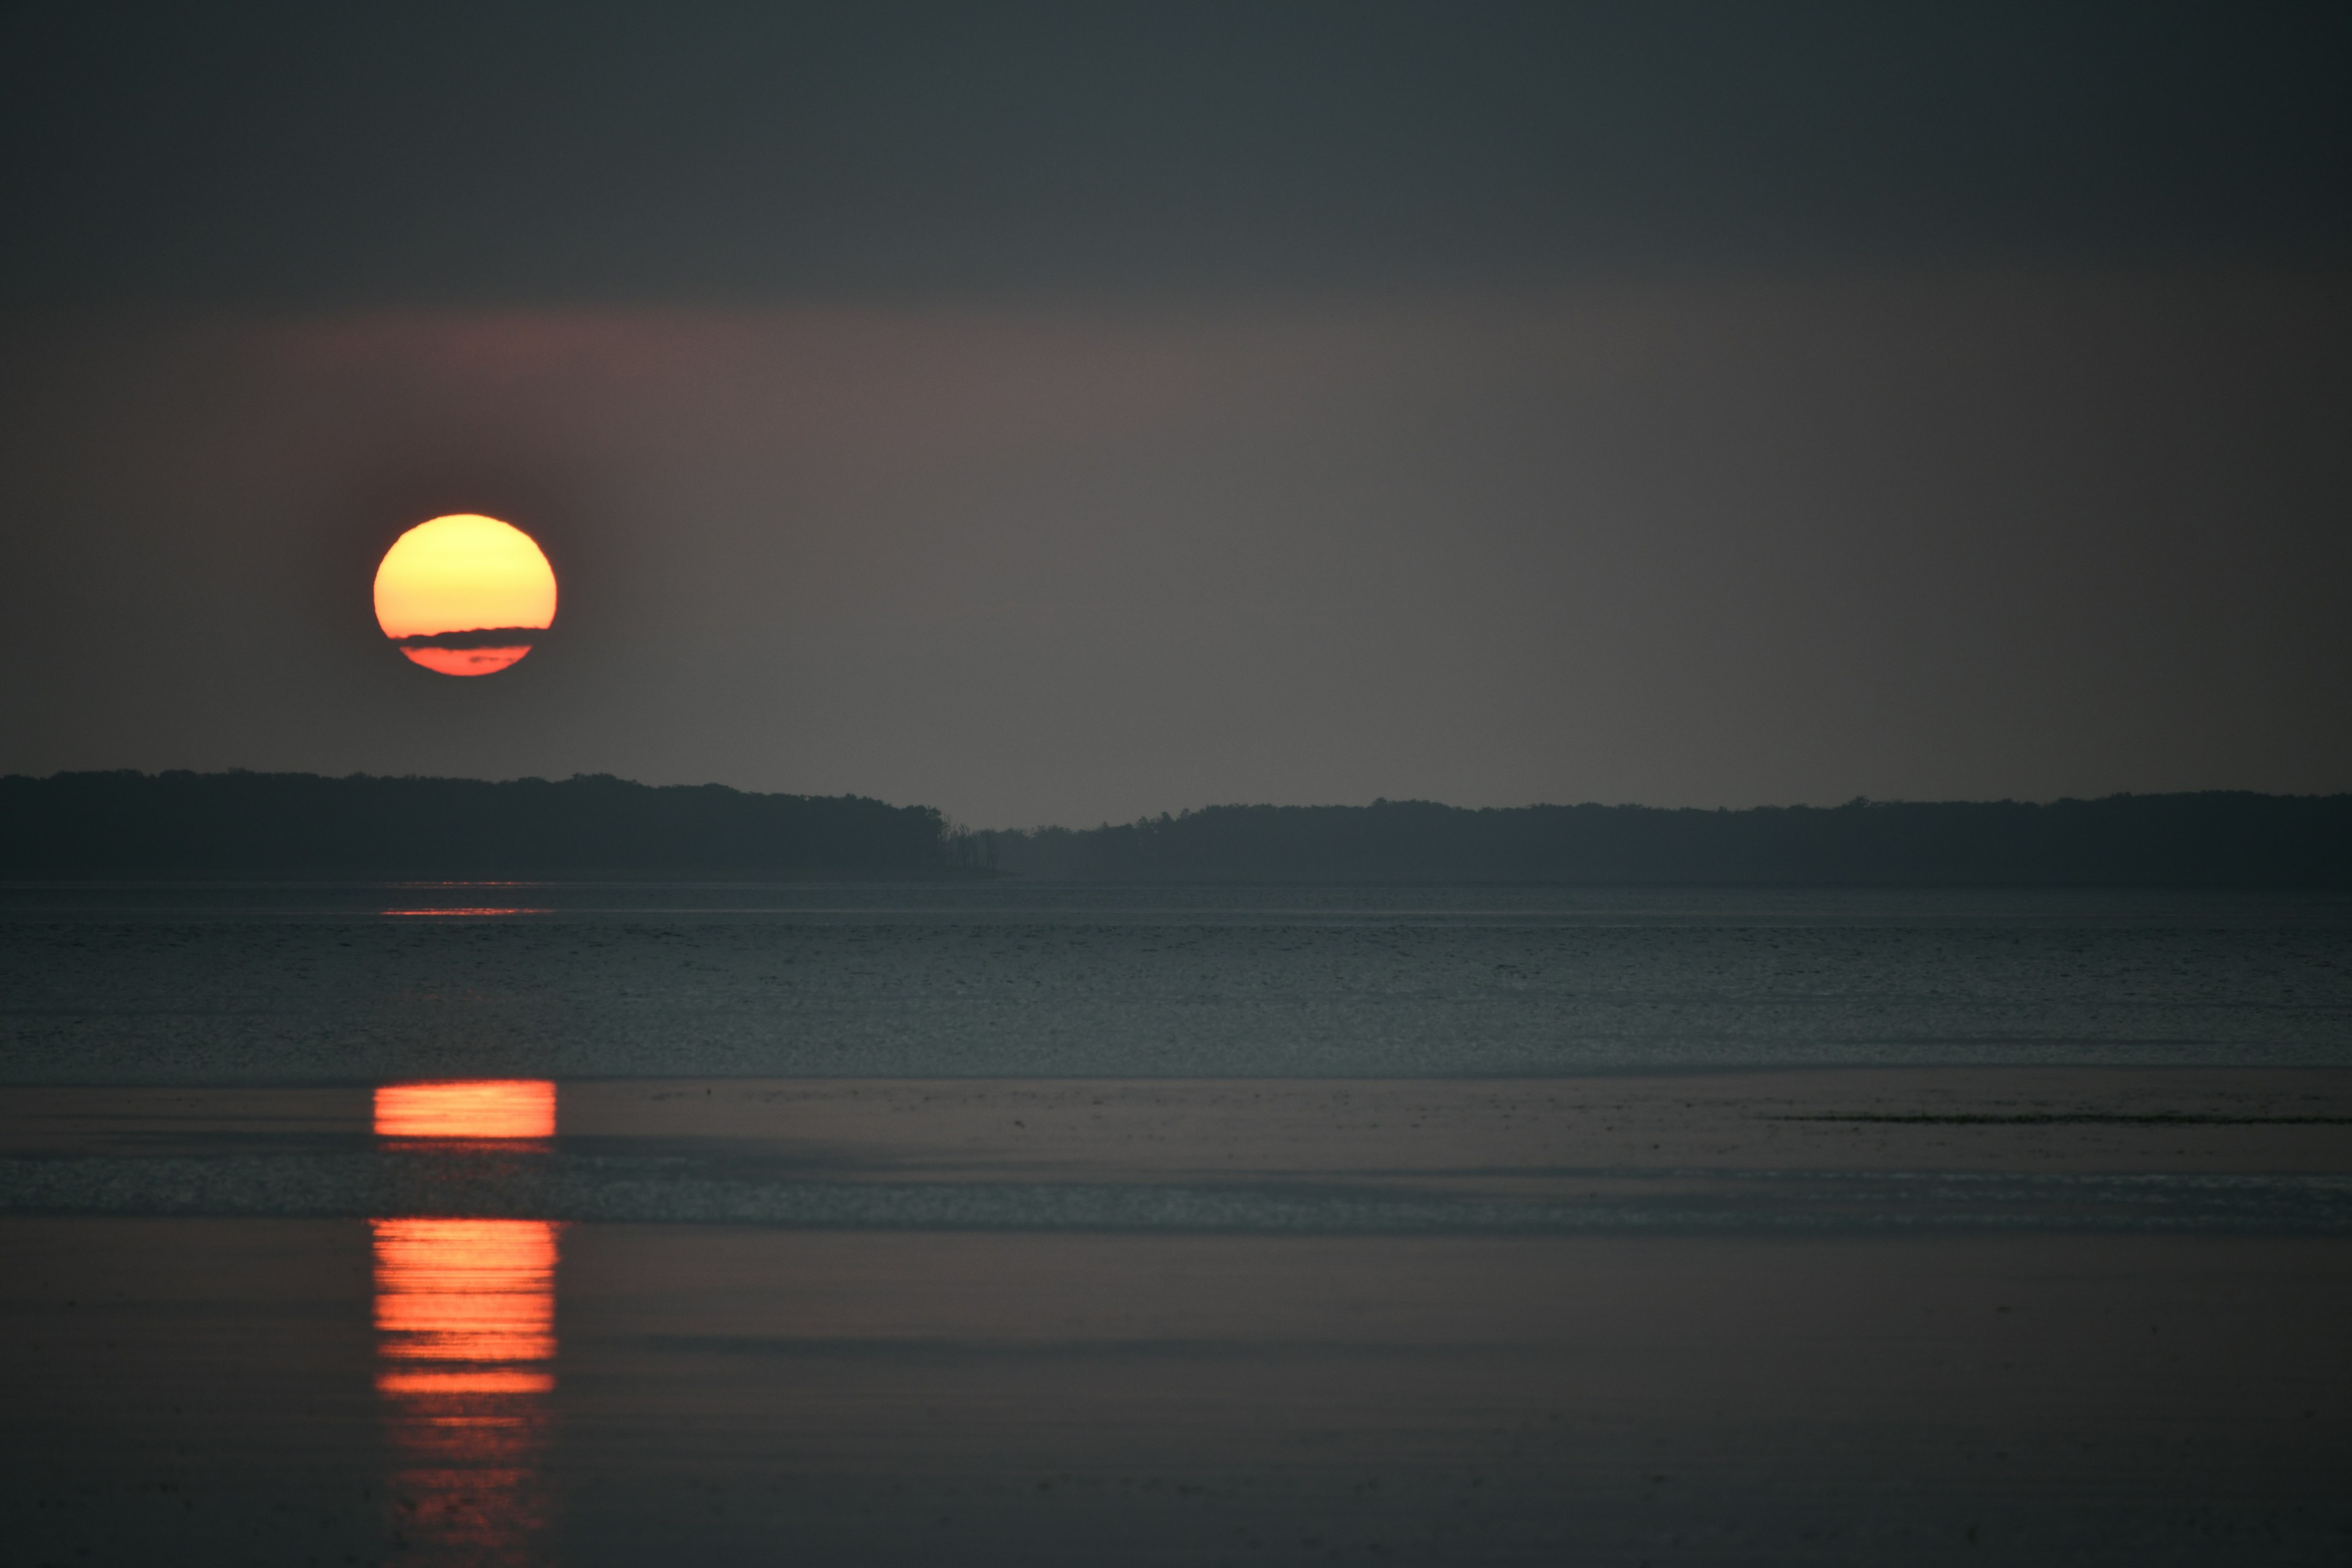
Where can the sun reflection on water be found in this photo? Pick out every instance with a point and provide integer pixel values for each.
(464, 1318)
(467, 913)
(479, 1108)
(464, 1306)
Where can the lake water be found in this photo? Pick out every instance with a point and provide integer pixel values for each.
(575, 1224)
(356, 984)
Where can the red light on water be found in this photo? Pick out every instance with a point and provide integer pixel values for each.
(476, 1296)
(468, 912)
(465, 1317)
(486, 1108)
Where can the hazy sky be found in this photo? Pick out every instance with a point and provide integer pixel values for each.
(1056, 414)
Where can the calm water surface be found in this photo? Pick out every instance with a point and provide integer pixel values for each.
(356, 984)
(579, 1225)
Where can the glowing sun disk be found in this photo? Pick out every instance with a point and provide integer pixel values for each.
(445, 584)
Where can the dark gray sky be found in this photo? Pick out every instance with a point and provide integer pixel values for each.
(1063, 412)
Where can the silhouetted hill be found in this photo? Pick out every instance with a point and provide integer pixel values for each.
(136, 825)
(2213, 838)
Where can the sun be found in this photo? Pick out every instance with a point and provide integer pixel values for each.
(464, 594)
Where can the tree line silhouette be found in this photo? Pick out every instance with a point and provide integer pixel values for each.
(136, 825)
(2213, 838)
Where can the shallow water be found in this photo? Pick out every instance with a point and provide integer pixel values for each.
(1002, 1224)
(356, 984)
(290, 1391)
(1856, 1150)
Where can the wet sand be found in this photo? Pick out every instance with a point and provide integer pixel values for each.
(1903, 1381)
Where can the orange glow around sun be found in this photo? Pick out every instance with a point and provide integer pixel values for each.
(461, 595)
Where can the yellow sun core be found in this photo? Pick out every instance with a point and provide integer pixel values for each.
(464, 594)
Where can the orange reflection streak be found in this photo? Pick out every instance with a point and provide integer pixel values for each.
(485, 1107)
(475, 1379)
(466, 660)
(465, 1311)
(480, 911)
(476, 1291)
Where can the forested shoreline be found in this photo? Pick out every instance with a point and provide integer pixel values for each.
(2213, 838)
(179, 825)
(132, 826)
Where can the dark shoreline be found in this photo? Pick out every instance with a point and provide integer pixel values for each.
(187, 826)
